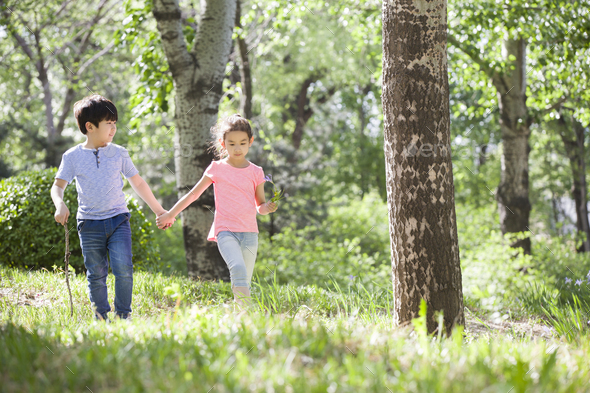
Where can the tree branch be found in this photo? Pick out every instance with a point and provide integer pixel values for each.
(69, 44)
(253, 40)
(536, 114)
(69, 98)
(12, 123)
(54, 15)
(23, 44)
(94, 58)
(168, 18)
(553, 106)
(209, 42)
(93, 23)
(483, 65)
(245, 76)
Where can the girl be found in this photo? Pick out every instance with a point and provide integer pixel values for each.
(239, 194)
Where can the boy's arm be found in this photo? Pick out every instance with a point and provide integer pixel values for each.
(263, 207)
(143, 190)
(57, 195)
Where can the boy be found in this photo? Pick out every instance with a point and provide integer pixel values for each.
(103, 217)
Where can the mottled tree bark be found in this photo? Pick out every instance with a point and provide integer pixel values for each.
(420, 190)
(198, 77)
(245, 73)
(513, 192)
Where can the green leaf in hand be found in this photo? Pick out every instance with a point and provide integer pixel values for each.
(278, 194)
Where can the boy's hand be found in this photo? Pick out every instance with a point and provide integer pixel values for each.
(61, 214)
(165, 220)
(272, 207)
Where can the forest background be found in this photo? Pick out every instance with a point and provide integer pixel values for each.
(308, 75)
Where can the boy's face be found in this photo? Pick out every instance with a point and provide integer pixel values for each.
(102, 134)
(237, 144)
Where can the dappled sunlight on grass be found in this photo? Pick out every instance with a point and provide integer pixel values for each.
(187, 335)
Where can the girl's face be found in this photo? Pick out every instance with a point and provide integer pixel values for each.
(237, 144)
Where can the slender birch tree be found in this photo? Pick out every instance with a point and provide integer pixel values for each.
(197, 75)
(515, 121)
(420, 190)
(510, 43)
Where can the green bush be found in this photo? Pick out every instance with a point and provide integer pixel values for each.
(349, 247)
(558, 266)
(30, 237)
(493, 273)
(560, 291)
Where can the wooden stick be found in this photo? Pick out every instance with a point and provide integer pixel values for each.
(67, 260)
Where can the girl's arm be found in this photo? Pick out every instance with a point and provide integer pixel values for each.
(184, 202)
(263, 207)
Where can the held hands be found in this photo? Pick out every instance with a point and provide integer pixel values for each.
(62, 213)
(165, 220)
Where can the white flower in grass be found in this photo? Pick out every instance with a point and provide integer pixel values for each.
(568, 280)
(547, 329)
(578, 282)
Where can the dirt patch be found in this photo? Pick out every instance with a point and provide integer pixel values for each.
(28, 297)
(519, 329)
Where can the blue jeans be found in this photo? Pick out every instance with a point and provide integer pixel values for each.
(97, 237)
(238, 249)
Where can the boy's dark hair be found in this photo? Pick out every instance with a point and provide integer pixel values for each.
(94, 109)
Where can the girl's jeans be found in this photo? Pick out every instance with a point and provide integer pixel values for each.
(97, 237)
(238, 249)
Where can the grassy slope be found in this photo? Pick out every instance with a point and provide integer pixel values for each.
(306, 340)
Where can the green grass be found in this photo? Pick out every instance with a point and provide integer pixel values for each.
(568, 314)
(186, 336)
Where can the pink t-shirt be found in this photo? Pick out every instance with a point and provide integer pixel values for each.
(235, 202)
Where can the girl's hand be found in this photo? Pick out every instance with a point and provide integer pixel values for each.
(165, 220)
(272, 207)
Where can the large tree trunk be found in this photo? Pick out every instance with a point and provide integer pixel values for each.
(198, 78)
(245, 74)
(513, 192)
(420, 190)
(572, 136)
(303, 112)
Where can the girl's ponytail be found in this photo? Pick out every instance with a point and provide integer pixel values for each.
(233, 122)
